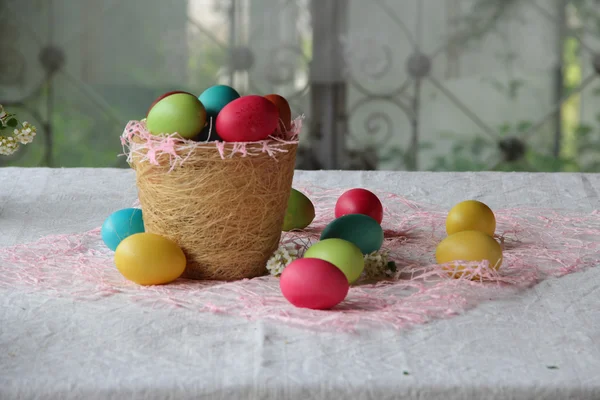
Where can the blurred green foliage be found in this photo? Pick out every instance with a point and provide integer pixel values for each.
(85, 130)
(88, 117)
(580, 142)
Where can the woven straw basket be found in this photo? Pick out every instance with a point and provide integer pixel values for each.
(226, 213)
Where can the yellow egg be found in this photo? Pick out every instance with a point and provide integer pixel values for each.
(149, 259)
(471, 215)
(469, 246)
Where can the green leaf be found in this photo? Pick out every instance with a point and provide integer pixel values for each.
(395, 151)
(392, 266)
(524, 126)
(448, 134)
(458, 148)
(583, 130)
(478, 145)
(505, 128)
(593, 167)
(12, 123)
(514, 86)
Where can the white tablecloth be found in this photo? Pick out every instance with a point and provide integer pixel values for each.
(54, 348)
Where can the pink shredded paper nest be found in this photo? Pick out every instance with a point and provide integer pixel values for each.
(538, 243)
(136, 139)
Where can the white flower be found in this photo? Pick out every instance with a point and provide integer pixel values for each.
(26, 133)
(377, 265)
(8, 146)
(282, 257)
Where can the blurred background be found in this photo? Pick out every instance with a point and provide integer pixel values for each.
(445, 85)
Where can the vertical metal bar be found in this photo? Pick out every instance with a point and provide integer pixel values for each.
(327, 78)
(232, 39)
(419, 26)
(48, 125)
(329, 158)
(559, 75)
(413, 162)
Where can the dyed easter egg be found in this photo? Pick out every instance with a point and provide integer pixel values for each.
(469, 246)
(300, 211)
(361, 230)
(359, 201)
(180, 113)
(285, 112)
(247, 119)
(162, 96)
(120, 225)
(216, 97)
(341, 253)
(471, 215)
(149, 259)
(313, 283)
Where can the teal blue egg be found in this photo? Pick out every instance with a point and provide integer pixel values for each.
(361, 230)
(120, 225)
(216, 97)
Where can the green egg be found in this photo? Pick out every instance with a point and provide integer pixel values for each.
(300, 212)
(359, 229)
(341, 253)
(180, 112)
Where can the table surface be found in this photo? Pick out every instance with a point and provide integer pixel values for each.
(58, 348)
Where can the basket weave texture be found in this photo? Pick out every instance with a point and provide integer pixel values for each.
(225, 212)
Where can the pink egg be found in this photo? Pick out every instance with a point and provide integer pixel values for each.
(313, 283)
(247, 119)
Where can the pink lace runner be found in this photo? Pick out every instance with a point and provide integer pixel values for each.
(538, 243)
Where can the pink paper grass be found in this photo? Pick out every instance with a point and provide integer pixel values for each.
(538, 244)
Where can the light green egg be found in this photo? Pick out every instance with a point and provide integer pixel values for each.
(341, 253)
(300, 212)
(180, 112)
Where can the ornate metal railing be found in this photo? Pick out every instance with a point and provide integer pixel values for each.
(362, 76)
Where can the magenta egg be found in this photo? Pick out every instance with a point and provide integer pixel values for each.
(359, 201)
(247, 119)
(313, 283)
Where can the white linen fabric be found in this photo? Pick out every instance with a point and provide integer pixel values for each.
(542, 344)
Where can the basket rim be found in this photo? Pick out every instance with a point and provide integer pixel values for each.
(140, 144)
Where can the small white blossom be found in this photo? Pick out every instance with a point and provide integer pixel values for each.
(377, 265)
(282, 257)
(8, 146)
(23, 135)
(26, 134)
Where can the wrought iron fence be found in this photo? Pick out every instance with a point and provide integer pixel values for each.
(417, 84)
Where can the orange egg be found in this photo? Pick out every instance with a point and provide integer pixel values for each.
(285, 113)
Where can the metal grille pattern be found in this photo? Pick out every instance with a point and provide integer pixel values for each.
(396, 85)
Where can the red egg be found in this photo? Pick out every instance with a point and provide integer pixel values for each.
(159, 98)
(313, 283)
(359, 201)
(247, 119)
